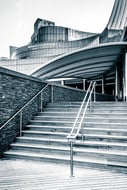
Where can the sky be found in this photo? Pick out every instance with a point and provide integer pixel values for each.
(17, 18)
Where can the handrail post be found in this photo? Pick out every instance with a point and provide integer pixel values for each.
(41, 102)
(71, 159)
(90, 105)
(20, 123)
(82, 133)
(52, 93)
(95, 92)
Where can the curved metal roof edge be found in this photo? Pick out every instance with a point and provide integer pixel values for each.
(36, 73)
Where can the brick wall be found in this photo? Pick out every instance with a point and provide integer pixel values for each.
(65, 93)
(15, 90)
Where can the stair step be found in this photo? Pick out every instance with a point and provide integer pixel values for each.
(109, 115)
(109, 131)
(74, 114)
(116, 117)
(76, 149)
(108, 120)
(94, 109)
(86, 122)
(99, 137)
(102, 145)
(95, 104)
(99, 153)
(62, 109)
(42, 140)
(54, 113)
(104, 141)
(86, 162)
(111, 108)
(40, 148)
(64, 103)
(64, 142)
(105, 125)
(44, 133)
(49, 128)
(53, 122)
(85, 152)
(52, 117)
(86, 130)
(36, 156)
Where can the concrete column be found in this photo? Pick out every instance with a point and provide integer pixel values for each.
(125, 78)
(116, 84)
(103, 86)
(62, 82)
(84, 84)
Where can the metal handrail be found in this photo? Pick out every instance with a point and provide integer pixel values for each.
(73, 134)
(79, 112)
(21, 109)
(77, 125)
(84, 113)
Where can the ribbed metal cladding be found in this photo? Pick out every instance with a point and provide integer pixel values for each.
(84, 63)
(119, 15)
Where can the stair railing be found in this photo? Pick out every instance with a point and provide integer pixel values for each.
(77, 126)
(20, 111)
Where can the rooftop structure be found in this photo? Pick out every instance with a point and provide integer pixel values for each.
(47, 42)
(104, 61)
(57, 52)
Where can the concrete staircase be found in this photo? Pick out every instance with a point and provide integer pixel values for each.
(105, 136)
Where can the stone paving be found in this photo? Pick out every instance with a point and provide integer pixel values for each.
(30, 175)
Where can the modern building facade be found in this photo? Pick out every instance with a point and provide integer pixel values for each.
(105, 62)
(47, 42)
(57, 53)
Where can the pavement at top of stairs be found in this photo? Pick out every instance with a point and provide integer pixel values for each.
(30, 175)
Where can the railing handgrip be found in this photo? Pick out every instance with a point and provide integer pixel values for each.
(89, 99)
(72, 134)
(80, 109)
(71, 137)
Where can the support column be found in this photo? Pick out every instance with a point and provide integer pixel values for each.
(116, 85)
(84, 84)
(62, 82)
(103, 85)
(125, 78)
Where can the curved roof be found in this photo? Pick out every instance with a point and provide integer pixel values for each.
(92, 62)
(84, 63)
